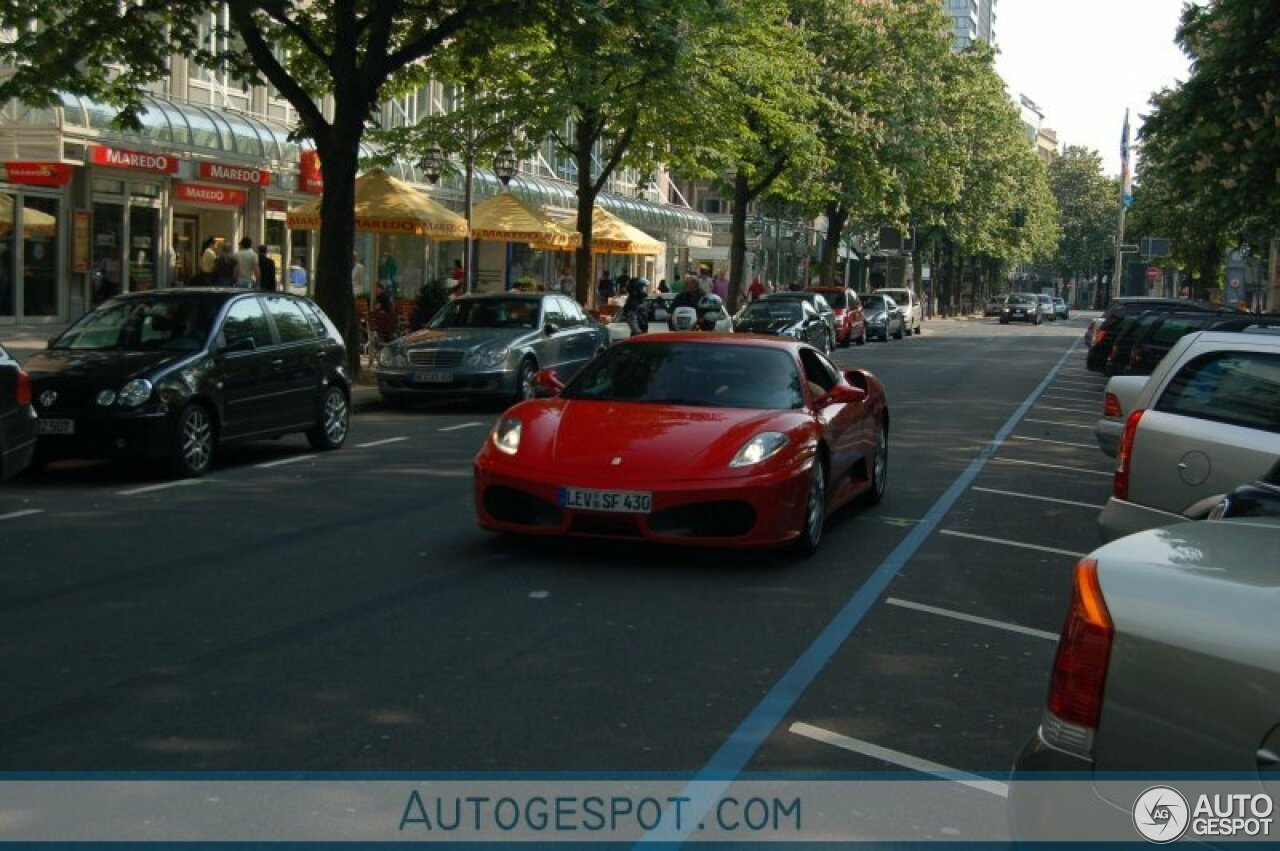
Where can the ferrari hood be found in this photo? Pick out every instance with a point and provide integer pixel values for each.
(639, 441)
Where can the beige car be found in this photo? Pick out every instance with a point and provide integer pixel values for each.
(1207, 419)
(912, 309)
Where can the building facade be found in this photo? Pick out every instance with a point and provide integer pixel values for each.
(971, 21)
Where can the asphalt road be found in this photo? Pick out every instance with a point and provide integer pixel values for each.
(335, 612)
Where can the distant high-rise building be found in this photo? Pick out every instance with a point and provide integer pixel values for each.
(971, 20)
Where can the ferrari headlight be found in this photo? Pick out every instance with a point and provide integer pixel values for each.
(134, 393)
(762, 446)
(489, 357)
(506, 435)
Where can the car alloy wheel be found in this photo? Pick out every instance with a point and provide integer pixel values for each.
(335, 420)
(815, 509)
(879, 466)
(524, 383)
(192, 449)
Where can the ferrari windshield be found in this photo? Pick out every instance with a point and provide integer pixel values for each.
(774, 311)
(488, 313)
(697, 374)
(142, 324)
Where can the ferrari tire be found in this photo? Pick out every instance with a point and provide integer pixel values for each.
(330, 431)
(879, 467)
(815, 510)
(191, 444)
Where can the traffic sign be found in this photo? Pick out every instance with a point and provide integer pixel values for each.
(1153, 272)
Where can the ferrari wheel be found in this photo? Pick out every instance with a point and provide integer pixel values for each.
(815, 510)
(879, 467)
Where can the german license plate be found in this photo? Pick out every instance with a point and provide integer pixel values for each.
(433, 377)
(44, 426)
(626, 502)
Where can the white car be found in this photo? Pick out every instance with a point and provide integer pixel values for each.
(1207, 419)
(912, 309)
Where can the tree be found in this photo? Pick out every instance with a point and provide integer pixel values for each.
(1086, 202)
(309, 50)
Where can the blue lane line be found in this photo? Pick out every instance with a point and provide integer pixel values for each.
(732, 757)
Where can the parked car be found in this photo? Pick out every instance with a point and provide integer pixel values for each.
(1130, 329)
(1168, 664)
(1103, 335)
(1021, 307)
(1150, 347)
(171, 375)
(912, 308)
(692, 440)
(851, 325)
(489, 345)
(995, 305)
(1256, 499)
(885, 318)
(1046, 307)
(17, 417)
(795, 318)
(1060, 309)
(819, 303)
(1207, 419)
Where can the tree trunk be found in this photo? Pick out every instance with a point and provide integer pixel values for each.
(340, 153)
(738, 239)
(837, 218)
(583, 285)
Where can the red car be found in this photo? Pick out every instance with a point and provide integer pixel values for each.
(851, 325)
(691, 439)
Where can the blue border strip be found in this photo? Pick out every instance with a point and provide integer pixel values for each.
(732, 757)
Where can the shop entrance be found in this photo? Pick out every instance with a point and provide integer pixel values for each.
(192, 227)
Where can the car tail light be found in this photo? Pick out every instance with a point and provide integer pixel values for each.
(1120, 485)
(24, 388)
(1110, 405)
(1080, 665)
(1100, 338)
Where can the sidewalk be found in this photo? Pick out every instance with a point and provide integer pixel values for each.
(21, 341)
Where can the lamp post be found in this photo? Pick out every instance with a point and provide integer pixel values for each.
(432, 165)
(504, 165)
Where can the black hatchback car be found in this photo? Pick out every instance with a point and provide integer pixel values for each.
(168, 375)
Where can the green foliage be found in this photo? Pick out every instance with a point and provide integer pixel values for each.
(1087, 204)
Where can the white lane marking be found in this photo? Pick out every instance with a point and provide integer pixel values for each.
(1006, 542)
(1087, 397)
(384, 442)
(1058, 442)
(1058, 423)
(294, 460)
(924, 766)
(180, 483)
(1068, 410)
(978, 619)
(460, 425)
(1054, 466)
(26, 512)
(1041, 498)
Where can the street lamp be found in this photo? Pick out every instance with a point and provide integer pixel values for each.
(504, 164)
(432, 162)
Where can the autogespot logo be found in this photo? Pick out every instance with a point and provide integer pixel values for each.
(1161, 815)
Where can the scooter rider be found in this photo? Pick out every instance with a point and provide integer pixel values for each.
(633, 307)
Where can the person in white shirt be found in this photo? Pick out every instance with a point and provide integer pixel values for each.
(357, 275)
(246, 265)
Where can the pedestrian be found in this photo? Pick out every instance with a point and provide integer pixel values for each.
(266, 270)
(225, 267)
(247, 271)
(633, 307)
(208, 257)
(357, 276)
(662, 286)
(388, 272)
(720, 286)
(756, 290)
(458, 273)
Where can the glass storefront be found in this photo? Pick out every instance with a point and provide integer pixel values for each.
(8, 294)
(40, 256)
(144, 229)
(108, 237)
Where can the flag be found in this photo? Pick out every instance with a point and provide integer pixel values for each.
(1126, 174)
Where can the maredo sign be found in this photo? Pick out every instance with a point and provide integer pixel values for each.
(137, 160)
(235, 174)
(38, 174)
(312, 180)
(200, 193)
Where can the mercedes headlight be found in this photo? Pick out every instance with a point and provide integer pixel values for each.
(489, 357)
(392, 356)
(762, 446)
(506, 435)
(134, 393)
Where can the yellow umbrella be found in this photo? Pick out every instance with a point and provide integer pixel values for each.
(387, 205)
(506, 218)
(611, 235)
(33, 221)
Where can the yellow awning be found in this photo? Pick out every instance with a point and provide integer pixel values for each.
(387, 205)
(611, 235)
(506, 218)
(33, 221)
